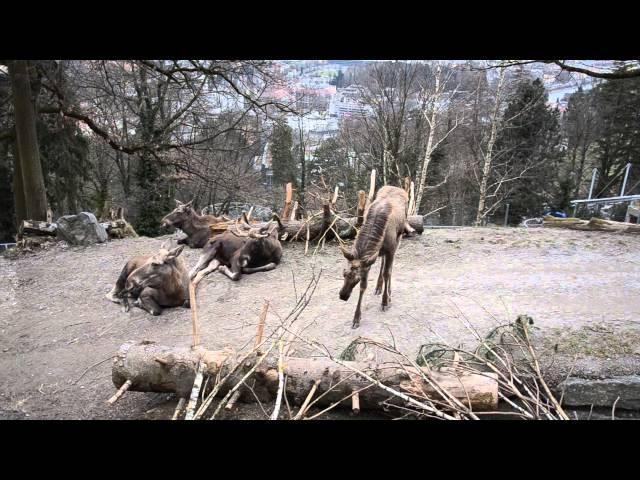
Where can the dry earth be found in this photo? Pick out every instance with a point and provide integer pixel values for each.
(55, 322)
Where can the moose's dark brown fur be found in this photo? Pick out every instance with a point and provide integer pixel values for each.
(194, 225)
(154, 281)
(239, 251)
(380, 235)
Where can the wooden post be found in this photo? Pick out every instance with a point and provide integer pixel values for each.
(194, 315)
(287, 201)
(362, 201)
(326, 220)
(263, 317)
(335, 198)
(372, 187)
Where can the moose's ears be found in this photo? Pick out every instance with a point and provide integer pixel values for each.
(348, 254)
(175, 252)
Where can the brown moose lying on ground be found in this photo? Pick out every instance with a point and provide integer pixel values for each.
(242, 249)
(195, 226)
(154, 282)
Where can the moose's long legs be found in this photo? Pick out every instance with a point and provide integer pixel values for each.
(386, 296)
(264, 268)
(363, 287)
(378, 290)
(213, 266)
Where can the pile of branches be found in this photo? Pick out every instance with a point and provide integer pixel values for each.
(329, 223)
(507, 351)
(442, 383)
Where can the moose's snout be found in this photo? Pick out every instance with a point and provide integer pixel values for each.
(344, 295)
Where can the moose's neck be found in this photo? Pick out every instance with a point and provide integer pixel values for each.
(190, 225)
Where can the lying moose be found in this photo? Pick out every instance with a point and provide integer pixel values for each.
(195, 226)
(154, 281)
(241, 249)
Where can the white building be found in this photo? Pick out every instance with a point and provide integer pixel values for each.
(347, 103)
(318, 126)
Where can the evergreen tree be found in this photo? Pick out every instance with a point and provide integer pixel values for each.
(618, 143)
(281, 148)
(64, 151)
(529, 145)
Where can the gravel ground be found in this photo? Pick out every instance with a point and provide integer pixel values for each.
(55, 322)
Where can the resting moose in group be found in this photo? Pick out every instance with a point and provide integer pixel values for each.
(154, 281)
(241, 249)
(195, 226)
(380, 235)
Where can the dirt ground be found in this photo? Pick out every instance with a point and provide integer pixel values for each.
(55, 322)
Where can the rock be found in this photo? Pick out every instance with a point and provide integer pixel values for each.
(603, 393)
(81, 229)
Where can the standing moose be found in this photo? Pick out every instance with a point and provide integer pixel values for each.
(385, 222)
(190, 222)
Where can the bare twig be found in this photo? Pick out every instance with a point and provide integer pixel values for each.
(195, 391)
(276, 409)
(121, 391)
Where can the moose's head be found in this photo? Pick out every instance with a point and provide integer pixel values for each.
(179, 215)
(356, 268)
(158, 271)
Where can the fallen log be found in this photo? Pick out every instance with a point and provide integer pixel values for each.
(346, 227)
(150, 367)
(119, 228)
(594, 224)
(32, 227)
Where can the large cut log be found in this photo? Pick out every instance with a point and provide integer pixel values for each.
(154, 368)
(32, 227)
(594, 224)
(119, 228)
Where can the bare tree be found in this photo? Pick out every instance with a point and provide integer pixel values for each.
(387, 89)
(434, 105)
(488, 154)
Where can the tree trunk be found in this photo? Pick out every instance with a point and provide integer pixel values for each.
(18, 188)
(488, 157)
(35, 197)
(154, 368)
(432, 119)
